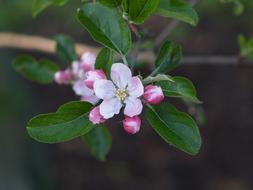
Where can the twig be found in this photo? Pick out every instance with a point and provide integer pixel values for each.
(169, 28)
(36, 43)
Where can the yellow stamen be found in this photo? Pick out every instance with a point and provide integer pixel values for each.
(121, 94)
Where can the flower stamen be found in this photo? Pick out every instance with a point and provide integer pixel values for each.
(121, 94)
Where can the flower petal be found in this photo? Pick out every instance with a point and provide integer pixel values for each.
(91, 99)
(133, 107)
(81, 89)
(135, 87)
(108, 108)
(120, 74)
(104, 89)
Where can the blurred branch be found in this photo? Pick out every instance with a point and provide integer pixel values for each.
(36, 43)
(45, 45)
(169, 28)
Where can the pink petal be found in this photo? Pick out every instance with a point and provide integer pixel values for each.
(81, 89)
(104, 89)
(88, 61)
(92, 76)
(77, 72)
(91, 99)
(95, 117)
(120, 74)
(133, 107)
(108, 108)
(135, 87)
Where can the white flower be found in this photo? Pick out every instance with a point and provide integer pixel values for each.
(123, 90)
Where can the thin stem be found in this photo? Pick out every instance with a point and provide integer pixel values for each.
(169, 28)
(124, 60)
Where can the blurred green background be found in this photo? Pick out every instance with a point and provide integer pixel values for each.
(142, 161)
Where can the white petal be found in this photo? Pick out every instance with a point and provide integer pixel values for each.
(133, 107)
(120, 74)
(135, 87)
(91, 99)
(108, 108)
(104, 89)
(81, 89)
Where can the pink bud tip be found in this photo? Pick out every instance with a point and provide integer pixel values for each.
(95, 117)
(153, 94)
(92, 76)
(62, 77)
(132, 125)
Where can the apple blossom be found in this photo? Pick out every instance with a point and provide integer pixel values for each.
(95, 117)
(132, 124)
(123, 90)
(153, 94)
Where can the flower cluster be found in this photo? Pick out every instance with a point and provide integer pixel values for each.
(81, 75)
(110, 96)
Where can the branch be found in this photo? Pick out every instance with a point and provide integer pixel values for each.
(36, 43)
(45, 45)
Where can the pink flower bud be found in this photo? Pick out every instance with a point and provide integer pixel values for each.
(62, 77)
(88, 60)
(92, 76)
(132, 124)
(153, 94)
(95, 117)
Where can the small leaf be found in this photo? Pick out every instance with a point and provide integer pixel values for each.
(157, 78)
(69, 121)
(180, 88)
(98, 142)
(169, 58)
(176, 128)
(178, 9)
(139, 11)
(106, 26)
(111, 3)
(40, 5)
(65, 48)
(105, 60)
(39, 71)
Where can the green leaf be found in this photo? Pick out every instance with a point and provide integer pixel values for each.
(98, 142)
(139, 11)
(246, 47)
(106, 26)
(39, 71)
(65, 48)
(176, 128)
(40, 5)
(111, 3)
(68, 122)
(168, 58)
(180, 88)
(105, 60)
(157, 78)
(178, 9)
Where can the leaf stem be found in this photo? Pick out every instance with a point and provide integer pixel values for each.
(124, 60)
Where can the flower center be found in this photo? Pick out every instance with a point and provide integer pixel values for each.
(121, 94)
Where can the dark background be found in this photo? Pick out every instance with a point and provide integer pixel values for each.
(143, 161)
